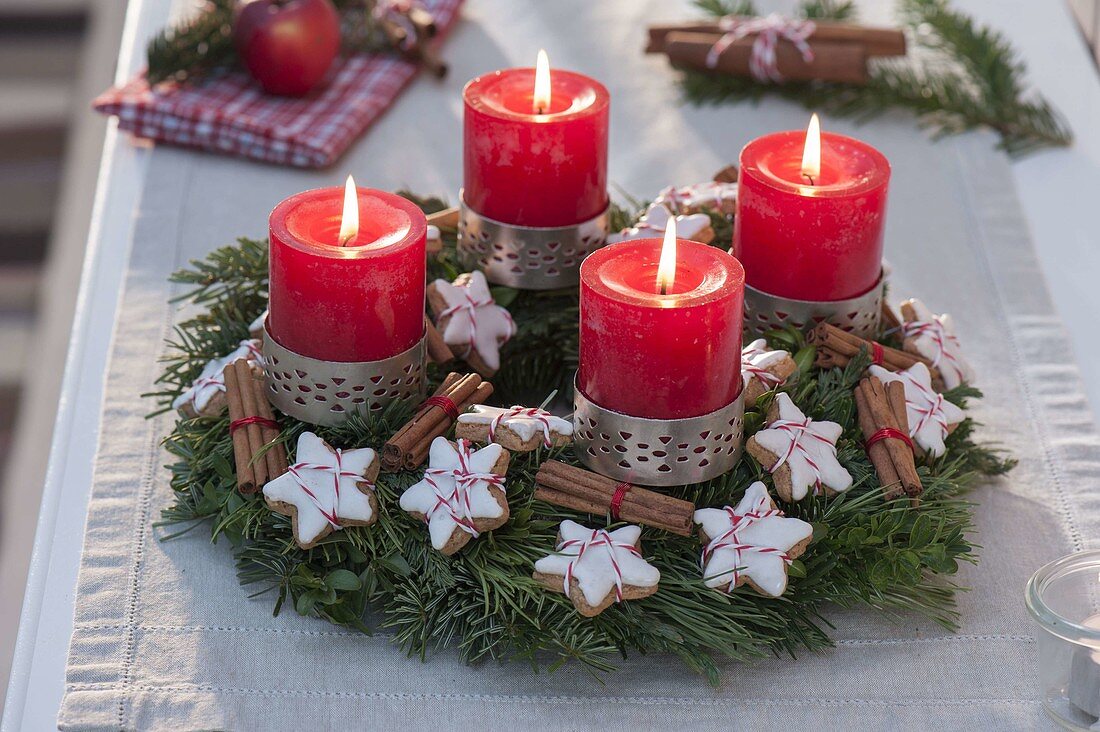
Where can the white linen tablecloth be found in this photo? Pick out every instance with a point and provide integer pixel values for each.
(165, 638)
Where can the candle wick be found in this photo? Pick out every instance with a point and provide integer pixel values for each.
(809, 177)
(664, 288)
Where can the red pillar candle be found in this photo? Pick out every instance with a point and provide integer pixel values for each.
(363, 301)
(524, 168)
(811, 237)
(660, 356)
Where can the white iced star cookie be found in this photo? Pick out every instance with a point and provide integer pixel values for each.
(931, 417)
(471, 321)
(752, 544)
(654, 221)
(325, 490)
(206, 395)
(763, 370)
(462, 493)
(933, 336)
(256, 327)
(799, 452)
(596, 568)
(718, 195)
(519, 429)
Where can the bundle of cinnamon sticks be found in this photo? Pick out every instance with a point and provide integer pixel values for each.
(409, 447)
(836, 347)
(258, 455)
(839, 50)
(883, 421)
(580, 490)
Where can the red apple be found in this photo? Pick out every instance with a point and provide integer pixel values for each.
(287, 45)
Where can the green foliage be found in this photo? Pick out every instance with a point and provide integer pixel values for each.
(959, 76)
(483, 603)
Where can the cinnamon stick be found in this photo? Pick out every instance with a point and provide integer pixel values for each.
(243, 373)
(275, 452)
(409, 447)
(445, 219)
(890, 320)
(438, 350)
(242, 453)
(876, 41)
(832, 61)
(884, 416)
(880, 458)
(587, 492)
(836, 347)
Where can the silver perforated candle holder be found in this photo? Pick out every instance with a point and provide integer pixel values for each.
(328, 392)
(658, 452)
(528, 257)
(860, 315)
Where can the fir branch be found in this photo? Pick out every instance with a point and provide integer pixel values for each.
(960, 76)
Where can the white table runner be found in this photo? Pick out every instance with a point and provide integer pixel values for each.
(165, 638)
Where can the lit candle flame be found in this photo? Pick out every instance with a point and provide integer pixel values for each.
(541, 100)
(666, 269)
(349, 221)
(811, 152)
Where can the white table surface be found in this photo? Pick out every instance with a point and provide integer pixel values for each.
(1058, 190)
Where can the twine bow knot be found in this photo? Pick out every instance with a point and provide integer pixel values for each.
(457, 501)
(598, 538)
(768, 30)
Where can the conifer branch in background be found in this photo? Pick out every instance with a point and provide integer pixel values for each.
(960, 76)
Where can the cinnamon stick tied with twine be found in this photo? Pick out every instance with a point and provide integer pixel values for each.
(836, 347)
(408, 448)
(828, 60)
(580, 490)
(885, 426)
(257, 452)
(875, 41)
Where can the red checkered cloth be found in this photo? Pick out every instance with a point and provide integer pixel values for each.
(230, 114)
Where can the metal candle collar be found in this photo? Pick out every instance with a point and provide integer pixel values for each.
(860, 315)
(658, 452)
(528, 257)
(328, 392)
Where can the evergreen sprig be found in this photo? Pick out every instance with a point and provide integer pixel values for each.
(960, 76)
(482, 603)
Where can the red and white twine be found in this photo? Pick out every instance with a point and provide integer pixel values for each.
(599, 538)
(797, 429)
(539, 415)
(748, 367)
(729, 540)
(769, 31)
(338, 472)
(456, 502)
(470, 307)
(941, 339)
(932, 410)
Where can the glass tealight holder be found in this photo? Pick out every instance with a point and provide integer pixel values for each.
(1064, 597)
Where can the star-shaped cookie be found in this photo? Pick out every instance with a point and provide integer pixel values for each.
(799, 452)
(753, 543)
(462, 493)
(654, 221)
(470, 319)
(326, 490)
(596, 568)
